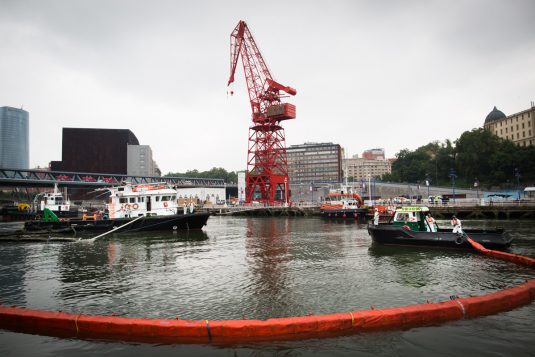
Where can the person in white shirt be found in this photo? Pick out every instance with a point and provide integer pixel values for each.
(456, 223)
(431, 223)
(376, 217)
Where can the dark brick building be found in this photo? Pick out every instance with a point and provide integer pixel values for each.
(95, 150)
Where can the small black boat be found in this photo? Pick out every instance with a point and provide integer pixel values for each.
(410, 227)
(146, 223)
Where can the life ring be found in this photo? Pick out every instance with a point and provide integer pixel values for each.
(407, 228)
(459, 240)
(127, 206)
(165, 204)
(135, 206)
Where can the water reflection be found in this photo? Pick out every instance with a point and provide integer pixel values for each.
(13, 270)
(267, 253)
(414, 268)
(116, 266)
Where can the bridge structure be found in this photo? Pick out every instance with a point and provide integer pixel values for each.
(43, 178)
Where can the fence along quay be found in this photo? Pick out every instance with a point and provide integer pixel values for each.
(63, 324)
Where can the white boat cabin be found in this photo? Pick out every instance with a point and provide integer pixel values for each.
(129, 200)
(53, 201)
(335, 200)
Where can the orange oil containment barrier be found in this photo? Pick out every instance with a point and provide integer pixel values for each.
(57, 323)
(513, 258)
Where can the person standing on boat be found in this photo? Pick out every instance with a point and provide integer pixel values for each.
(431, 222)
(376, 217)
(456, 223)
(185, 208)
(191, 207)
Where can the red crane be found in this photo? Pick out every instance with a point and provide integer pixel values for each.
(266, 179)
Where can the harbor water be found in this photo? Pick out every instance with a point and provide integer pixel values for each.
(258, 268)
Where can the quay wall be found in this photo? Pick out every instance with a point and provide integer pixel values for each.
(484, 212)
(440, 212)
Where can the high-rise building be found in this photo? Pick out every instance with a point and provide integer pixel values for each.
(518, 128)
(14, 138)
(314, 163)
(140, 161)
(95, 150)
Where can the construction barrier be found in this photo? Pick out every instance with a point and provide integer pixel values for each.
(231, 331)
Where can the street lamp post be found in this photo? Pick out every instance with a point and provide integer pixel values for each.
(476, 185)
(517, 176)
(372, 190)
(286, 191)
(453, 177)
(427, 184)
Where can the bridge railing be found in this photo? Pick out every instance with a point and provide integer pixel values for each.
(14, 176)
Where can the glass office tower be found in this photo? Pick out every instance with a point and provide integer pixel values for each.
(14, 138)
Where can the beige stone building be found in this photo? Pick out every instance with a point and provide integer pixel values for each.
(361, 168)
(518, 128)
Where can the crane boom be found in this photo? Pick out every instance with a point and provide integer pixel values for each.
(267, 172)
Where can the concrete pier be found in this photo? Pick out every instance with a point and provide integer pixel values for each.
(501, 211)
(484, 212)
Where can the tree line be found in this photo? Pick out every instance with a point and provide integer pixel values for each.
(476, 156)
(214, 173)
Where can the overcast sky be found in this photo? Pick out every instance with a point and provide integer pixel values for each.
(390, 74)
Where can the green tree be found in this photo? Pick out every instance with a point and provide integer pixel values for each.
(213, 173)
(475, 154)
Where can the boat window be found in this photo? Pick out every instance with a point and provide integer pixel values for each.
(59, 199)
(157, 198)
(141, 199)
(132, 199)
(123, 200)
(402, 216)
(167, 198)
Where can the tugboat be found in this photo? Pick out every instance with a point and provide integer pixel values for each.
(153, 207)
(411, 226)
(55, 202)
(343, 205)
